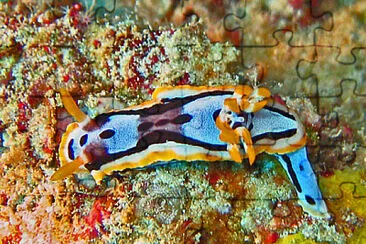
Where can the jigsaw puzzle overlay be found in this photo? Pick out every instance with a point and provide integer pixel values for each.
(111, 55)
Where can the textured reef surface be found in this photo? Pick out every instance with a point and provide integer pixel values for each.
(113, 59)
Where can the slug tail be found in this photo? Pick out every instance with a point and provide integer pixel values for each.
(300, 172)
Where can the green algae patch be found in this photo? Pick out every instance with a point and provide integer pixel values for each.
(346, 188)
(346, 194)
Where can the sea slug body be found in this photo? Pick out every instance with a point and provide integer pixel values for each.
(191, 123)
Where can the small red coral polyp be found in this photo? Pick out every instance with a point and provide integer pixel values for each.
(347, 132)
(296, 4)
(213, 177)
(327, 173)
(22, 121)
(97, 44)
(96, 215)
(76, 8)
(47, 150)
(184, 80)
(47, 21)
(3, 199)
(271, 237)
(66, 78)
(76, 18)
(49, 50)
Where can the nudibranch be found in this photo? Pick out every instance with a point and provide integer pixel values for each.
(191, 123)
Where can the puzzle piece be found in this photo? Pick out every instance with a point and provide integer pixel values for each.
(344, 184)
(352, 31)
(348, 99)
(348, 206)
(330, 83)
(278, 16)
(272, 57)
(284, 45)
